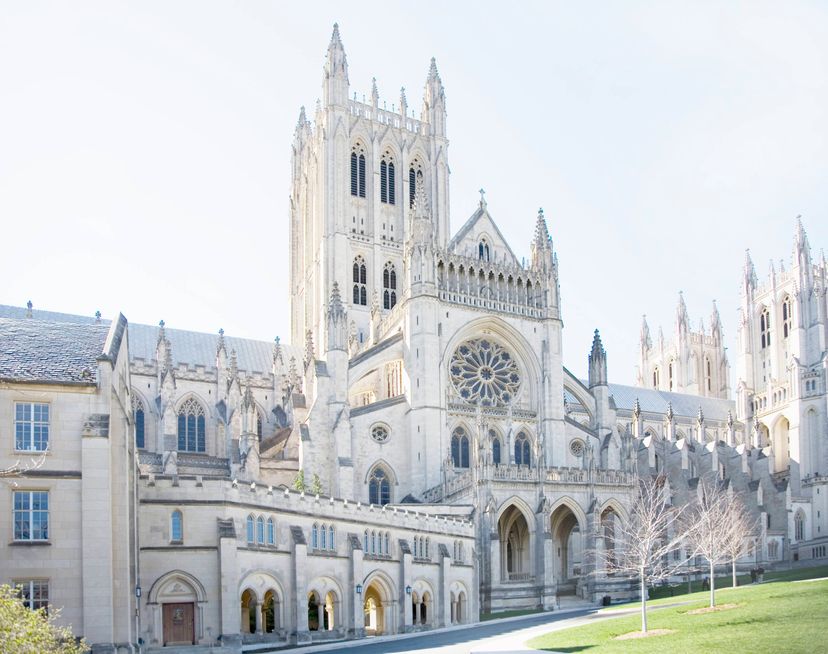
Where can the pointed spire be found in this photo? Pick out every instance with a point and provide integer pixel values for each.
(597, 362)
(636, 409)
(309, 349)
(682, 320)
(434, 101)
(432, 71)
(802, 250)
(220, 346)
(700, 416)
(234, 365)
(646, 341)
(670, 414)
(749, 273)
(336, 71)
(293, 375)
(374, 93)
(277, 351)
(541, 249)
(162, 333)
(300, 124)
(403, 102)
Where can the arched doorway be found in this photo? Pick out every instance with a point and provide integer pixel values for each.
(378, 607)
(175, 602)
(271, 612)
(248, 612)
(373, 612)
(313, 611)
(568, 546)
(515, 555)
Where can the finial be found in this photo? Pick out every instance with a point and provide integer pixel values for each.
(482, 198)
(29, 309)
(374, 92)
(670, 411)
(278, 340)
(98, 316)
(161, 324)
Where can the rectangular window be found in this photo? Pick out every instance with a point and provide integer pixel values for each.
(31, 515)
(31, 426)
(34, 593)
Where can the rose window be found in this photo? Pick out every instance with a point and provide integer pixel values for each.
(484, 372)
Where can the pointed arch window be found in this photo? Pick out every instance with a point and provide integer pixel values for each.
(358, 171)
(331, 540)
(191, 427)
(708, 374)
(460, 448)
(799, 526)
(260, 530)
(271, 532)
(389, 286)
(360, 277)
(670, 376)
(415, 176)
(522, 450)
(251, 529)
(655, 378)
(764, 328)
(379, 487)
(388, 193)
(495, 449)
(483, 252)
(138, 412)
(787, 315)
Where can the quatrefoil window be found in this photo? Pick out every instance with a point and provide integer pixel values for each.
(485, 373)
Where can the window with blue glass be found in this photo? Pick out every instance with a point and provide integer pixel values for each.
(191, 427)
(271, 532)
(522, 450)
(31, 515)
(251, 529)
(496, 450)
(379, 488)
(460, 448)
(31, 426)
(138, 412)
(176, 527)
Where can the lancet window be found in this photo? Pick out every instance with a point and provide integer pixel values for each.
(764, 328)
(388, 194)
(787, 316)
(379, 487)
(389, 286)
(523, 456)
(460, 448)
(360, 278)
(138, 414)
(358, 171)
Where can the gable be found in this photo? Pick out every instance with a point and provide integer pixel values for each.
(481, 227)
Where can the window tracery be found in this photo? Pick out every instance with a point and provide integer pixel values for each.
(360, 278)
(379, 433)
(191, 426)
(460, 448)
(387, 179)
(389, 286)
(485, 373)
(358, 171)
(379, 487)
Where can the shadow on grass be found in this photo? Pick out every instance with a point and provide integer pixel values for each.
(576, 648)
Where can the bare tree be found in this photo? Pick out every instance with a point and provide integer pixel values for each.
(741, 526)
(709, 529)
(644, 545)
(19, 469)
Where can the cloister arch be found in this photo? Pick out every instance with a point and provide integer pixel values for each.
(567, 527)
(515, 526)
(378, 604)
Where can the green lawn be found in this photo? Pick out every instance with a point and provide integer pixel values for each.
(771, 618)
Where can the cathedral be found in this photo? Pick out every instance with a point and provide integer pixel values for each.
(418, 455)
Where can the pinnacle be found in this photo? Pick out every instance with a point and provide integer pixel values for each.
(541, 230)
(335, 39)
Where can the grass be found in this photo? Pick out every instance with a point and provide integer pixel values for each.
(666, 595)
(769, 619)
(508, 614)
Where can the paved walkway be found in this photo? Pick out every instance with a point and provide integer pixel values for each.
(496, 636)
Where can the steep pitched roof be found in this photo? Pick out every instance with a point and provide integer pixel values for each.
(49, 351)
(481, 215)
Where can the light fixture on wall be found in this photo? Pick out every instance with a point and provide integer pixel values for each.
(359, 589)
(408, 590)
(137, 591)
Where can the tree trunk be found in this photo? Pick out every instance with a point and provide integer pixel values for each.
(733, 570)
(712, 587)
(643, 604)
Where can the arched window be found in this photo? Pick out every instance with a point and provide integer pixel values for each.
(427, 547)
(522, 451)
(787, 317)
(358, 171)
(323, 538)
(496, 451)
(379, 488)
(387, 551)
(176, 527)
(365, 542)
(387, 179)
(799, 526)
(260, 532)
(764, 328)
(271, 532)
(483, 250)
(389, 286)
(138, 420)
(415, 176)
(314, 536)
(670, 376)
(191, 427)
(708, 374)
(331, 540)
(360, 282)
(259, 425)
(251, 529)
(655, 378)
(460, 448)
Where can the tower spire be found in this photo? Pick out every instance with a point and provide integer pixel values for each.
(541, 245)
(434, 101)
(597, 362)
(749, 279)
(646, 341)
(336, 71)
(682, 320)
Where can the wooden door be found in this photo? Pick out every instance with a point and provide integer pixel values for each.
(179, 624)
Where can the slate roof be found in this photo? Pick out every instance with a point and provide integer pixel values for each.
(192, 348)
(50, 351)
(654, 401)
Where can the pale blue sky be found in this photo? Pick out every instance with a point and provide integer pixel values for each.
(145, 148)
